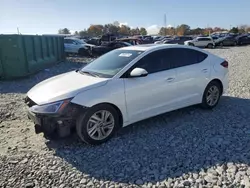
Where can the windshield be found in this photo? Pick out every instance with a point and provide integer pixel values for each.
(111, 63)
(128, 44)
(79, 41)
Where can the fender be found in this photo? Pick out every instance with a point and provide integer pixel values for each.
(113, 93)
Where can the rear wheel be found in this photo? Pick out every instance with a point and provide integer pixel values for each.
(211, 95)
(221, 44)
(98, 124)
(210, 46)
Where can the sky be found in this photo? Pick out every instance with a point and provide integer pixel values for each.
(48, 16)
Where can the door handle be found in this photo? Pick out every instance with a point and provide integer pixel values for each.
(204, 70)
(170, 79)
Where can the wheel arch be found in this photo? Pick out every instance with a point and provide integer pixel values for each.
(219, 82)
(116, 108)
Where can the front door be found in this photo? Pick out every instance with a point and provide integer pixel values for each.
(154, 94)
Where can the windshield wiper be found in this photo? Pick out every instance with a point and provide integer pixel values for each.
(89, 73)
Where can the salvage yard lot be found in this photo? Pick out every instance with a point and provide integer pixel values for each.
(188, 147)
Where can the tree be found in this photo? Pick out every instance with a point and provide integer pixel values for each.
(64, 31)
(234, 30)
(124, 30)
(110, 28)
(83, 33)
(217, 29)
(183, 29)
(76, 33)
(95, 30)
(163, 31)
(133, 32)
(143, 31)
(243, 28)
(197, 31)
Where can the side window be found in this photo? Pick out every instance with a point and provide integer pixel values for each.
(119, 45)
(156, 61)
(68, 41)
(185, 57)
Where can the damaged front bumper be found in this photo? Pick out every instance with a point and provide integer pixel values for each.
(60, 124)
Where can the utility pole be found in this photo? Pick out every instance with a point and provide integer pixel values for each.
(165, 24)
(17, 30)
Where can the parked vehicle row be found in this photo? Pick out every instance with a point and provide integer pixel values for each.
(99, 46)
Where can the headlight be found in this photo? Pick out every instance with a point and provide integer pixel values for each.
(50, 108)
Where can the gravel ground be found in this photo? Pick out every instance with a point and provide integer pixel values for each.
(185, 148)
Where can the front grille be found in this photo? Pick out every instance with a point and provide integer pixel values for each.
(29, 102)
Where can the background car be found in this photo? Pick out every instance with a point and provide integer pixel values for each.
(125, 86)
(178, 40)
(104, 48)
(243, 39)
(205, 42)
(76, 46)
(226, 41)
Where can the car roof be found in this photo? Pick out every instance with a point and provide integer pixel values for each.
(72, 38)
(149, 47)
(203, 37)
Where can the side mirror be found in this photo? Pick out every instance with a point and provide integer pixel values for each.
(138, 72)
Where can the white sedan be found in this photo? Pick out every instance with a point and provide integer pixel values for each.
(124, 86)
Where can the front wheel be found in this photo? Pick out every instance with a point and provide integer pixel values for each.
(210, 46)
(98, 124)
(211, 95)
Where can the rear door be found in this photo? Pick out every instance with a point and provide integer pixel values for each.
(192, 75)
(200, 42)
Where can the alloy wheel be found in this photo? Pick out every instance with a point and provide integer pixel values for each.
(213, 95)
(100, 125)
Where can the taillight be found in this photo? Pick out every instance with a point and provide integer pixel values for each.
(224, 64)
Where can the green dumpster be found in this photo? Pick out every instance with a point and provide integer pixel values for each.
(22, 55)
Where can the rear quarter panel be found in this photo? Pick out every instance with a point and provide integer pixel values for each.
(218, 71)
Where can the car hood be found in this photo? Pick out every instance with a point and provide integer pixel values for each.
(100, 46)
(189, 41)
(90, 45)
(63, 86)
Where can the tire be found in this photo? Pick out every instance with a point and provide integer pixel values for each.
(205, 104)
(84, 126)
(221, 44)
(235, 43)
(82, 52)
(210, 46)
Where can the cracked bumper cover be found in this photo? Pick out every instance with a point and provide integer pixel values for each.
(49, 123)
